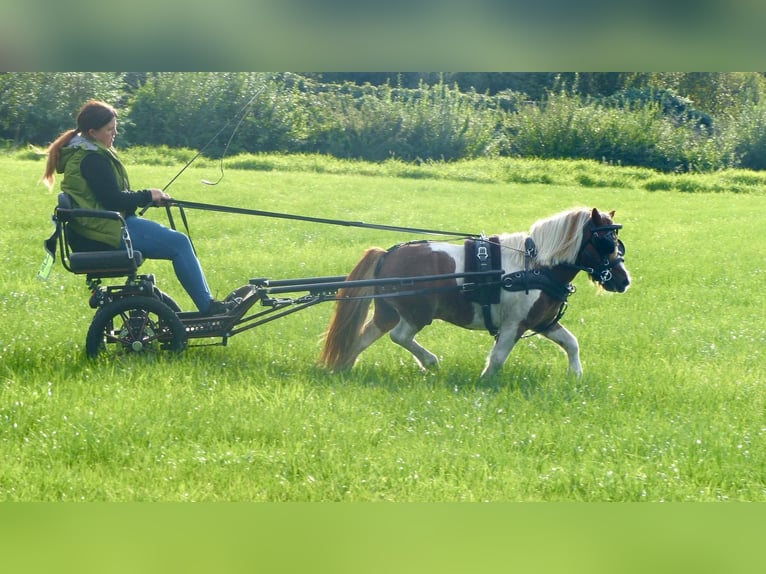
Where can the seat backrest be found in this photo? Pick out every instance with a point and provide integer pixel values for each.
(85, 256)
(65, 201)
(75, 241)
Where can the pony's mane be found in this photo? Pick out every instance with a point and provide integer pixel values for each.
(557, 238)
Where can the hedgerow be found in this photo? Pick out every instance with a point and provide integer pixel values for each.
(297, 114)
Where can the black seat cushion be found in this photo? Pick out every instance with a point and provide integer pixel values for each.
(113, 263)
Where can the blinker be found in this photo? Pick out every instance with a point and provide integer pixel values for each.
(604, 237)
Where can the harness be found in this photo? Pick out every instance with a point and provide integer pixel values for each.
(483, 259)
(602, 238)
(483, 254)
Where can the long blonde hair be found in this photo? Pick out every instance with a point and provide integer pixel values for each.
(94, 114)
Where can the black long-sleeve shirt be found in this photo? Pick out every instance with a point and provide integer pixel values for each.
(98, 172)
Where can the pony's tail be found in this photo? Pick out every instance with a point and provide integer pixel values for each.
(350, 314)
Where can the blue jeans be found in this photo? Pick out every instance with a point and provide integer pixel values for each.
(155, 241)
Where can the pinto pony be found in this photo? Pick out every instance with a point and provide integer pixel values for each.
(525, 290)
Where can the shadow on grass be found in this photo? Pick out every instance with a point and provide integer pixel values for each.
(527, 380)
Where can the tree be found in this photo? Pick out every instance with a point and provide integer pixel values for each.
(36, 106)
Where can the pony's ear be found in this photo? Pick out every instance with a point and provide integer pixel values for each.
(595, 216)
(611, 214)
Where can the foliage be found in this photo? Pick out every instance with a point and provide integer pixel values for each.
(430, 122)
(510, 170)
(670, 104)
(643, 134)
(36, 106)
(187, 110)
(294, 114)
(661, 121)
(750, 141)
(720, 94)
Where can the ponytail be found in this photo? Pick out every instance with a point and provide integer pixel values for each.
(54, 154)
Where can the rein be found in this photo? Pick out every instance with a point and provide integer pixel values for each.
(257, 212)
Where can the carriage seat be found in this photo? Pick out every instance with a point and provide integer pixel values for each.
(84, 256)
(104, 263)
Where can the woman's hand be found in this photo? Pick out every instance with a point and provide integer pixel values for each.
(159, 197)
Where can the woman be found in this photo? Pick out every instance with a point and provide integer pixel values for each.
(96, 179)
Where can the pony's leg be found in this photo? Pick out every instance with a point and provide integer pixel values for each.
(567, 341)
(506, 340)
(383, 320)
(404, 335)
(370, 333)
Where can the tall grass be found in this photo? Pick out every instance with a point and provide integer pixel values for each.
(567, 127)
(670, 407)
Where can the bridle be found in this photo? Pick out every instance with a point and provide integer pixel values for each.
(595, 250)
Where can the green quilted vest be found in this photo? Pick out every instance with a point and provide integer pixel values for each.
(103, 230)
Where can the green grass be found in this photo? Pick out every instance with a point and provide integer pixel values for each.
(670, 407)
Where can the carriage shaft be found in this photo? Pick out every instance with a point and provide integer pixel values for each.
(324, 284)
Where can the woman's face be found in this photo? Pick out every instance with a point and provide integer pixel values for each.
(105, 134)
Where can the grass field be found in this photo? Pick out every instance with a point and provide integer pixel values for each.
(671, 406)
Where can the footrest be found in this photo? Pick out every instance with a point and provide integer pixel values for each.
(105, 263)
(198, 325)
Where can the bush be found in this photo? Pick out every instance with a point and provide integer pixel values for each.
(750, 129)
(430, 122)
(671, 105)
(188, 110)
(291, 113)
(564, 126)
(36, 107)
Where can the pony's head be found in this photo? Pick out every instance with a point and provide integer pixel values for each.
(602, 253)
(583, 238)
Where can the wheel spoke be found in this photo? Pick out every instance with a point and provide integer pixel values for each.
(135, 325)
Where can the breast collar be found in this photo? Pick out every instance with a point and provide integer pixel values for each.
(538, 278)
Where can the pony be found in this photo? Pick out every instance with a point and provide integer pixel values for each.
(525, 289)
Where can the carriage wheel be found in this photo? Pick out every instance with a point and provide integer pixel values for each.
(168, 300)
(135, 325)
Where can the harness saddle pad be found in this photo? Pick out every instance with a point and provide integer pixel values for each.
(483, 255)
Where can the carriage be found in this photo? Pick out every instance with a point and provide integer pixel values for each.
(508, 284)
